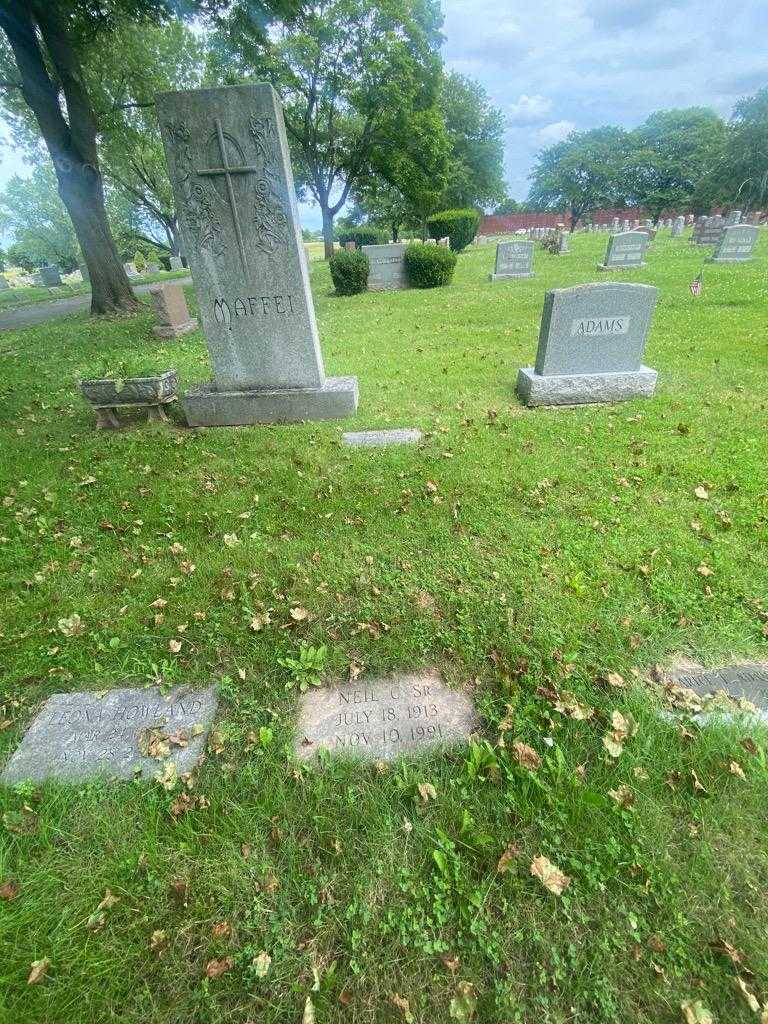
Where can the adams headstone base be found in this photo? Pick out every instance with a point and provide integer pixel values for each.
(584, 388)
(334, 399)
(79, 735)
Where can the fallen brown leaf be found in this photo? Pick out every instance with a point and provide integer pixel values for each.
(550, 876)
(39, 969)
(505, 860)
(215, 968)
(526, 756)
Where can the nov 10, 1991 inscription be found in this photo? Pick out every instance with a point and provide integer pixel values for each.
(384, 718)
(120, 734)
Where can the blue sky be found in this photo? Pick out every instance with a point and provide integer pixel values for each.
(564, 64)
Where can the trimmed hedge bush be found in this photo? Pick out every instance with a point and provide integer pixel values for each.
(349, 271)
(459, 225)
(364, 236)
(429, 266)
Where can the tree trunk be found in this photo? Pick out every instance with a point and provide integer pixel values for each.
(395, 231)
(327, 230)
(81, 192)
(71, 144)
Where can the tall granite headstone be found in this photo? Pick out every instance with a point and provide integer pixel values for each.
(231, 173)
(736, 244)
(625, 251)
(386, 267)
(591, 346)
(513, 259)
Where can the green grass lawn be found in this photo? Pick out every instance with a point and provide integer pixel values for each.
(30, 295)
(550, 548)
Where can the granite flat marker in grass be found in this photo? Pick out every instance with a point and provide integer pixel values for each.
(741, 681)
(736, 244)
(387, 267)
(591, 346)
(118, 735)
(625, 251)
(381, 438)
(384, 718)
(513, 259)
(232, 181)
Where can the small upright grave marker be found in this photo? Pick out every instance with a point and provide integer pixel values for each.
(513, 259)
(171, 311)
(50, 276)
(381, 719)
(736, 244)
(625, 251)
(387, 267)
(176, 263)
(591, 346)
(118, 735)
(230, 170)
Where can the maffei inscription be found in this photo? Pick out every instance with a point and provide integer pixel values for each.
(384, 718)
(77, 735)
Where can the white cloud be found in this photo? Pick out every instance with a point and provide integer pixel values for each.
(555, 132)
(529, 109)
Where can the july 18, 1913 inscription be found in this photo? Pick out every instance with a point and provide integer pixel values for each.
(384, 718)
(118, 734)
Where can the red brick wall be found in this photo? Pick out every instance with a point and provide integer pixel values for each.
(498, 225)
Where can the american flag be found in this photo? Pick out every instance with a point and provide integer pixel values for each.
(695, 286)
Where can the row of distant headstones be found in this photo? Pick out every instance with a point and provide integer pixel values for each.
(51, 276)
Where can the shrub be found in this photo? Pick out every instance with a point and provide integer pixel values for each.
(364, 236)
(349, 271)
(459, 225)
(551, 243)
(429, 266)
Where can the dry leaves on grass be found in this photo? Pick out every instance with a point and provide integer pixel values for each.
(259, 621)
(426, 792)
(261, 964)
(701, 493)
(403, 1006)
(221, 930)
(9, 890)
(526, 756)
(550, 876)
(568, 704)
(511, 853)
(215, 968)
(71, 626)
(38, 970)
(464, 1003)
(696, 1013)
(749, 996)
(158, 942)
(299, 614)
(623, 727)
(99, 916)
(623, 796)
(308, 1017)
(735, 769)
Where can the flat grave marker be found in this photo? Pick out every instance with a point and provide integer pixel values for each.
(381, 438)
(741, 681)
(591, 346)
(381, 719)
(77, 736)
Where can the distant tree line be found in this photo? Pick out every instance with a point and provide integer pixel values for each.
(687, 160)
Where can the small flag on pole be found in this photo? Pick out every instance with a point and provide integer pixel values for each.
(695, 286)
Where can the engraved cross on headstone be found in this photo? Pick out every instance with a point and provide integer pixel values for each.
(228, 171)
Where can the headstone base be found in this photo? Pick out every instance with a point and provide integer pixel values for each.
(629, 266)
(175, 331)
(509, 277)
(582, 388)
(207, 407)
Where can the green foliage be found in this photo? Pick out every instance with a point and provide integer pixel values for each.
(581, 173)
(140, 261)
(459, 225)
(306, 670)
(551, 243)
(508, 206)
(349, 271)
(32, 212)
(429, 266)
(742, 178)
(475, 129)
(366, 235)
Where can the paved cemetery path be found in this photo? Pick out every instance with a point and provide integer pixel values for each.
(39, 312)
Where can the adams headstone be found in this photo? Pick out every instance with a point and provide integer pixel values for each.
(387, 267)
(591, 346)
(513, 259)
(382, 719)
(736, 244)
(231, 173)
(625, 251)
(118, 734)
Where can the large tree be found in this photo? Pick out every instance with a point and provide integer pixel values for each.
(674, 155)
(743, 173)
(476, 132)
(581, 173)
(350, 73)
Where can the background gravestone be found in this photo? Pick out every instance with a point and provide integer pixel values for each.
(677, 226)
(382, 719)
(78, 735)
(625, 251)
(387, 267)
(171, 313)
(176, 263)
(4, 286)
(513, 259)
(50, 276)
(736, 244)
(230, 169)
(591, 346)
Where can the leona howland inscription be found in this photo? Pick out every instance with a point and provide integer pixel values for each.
(384, 718)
